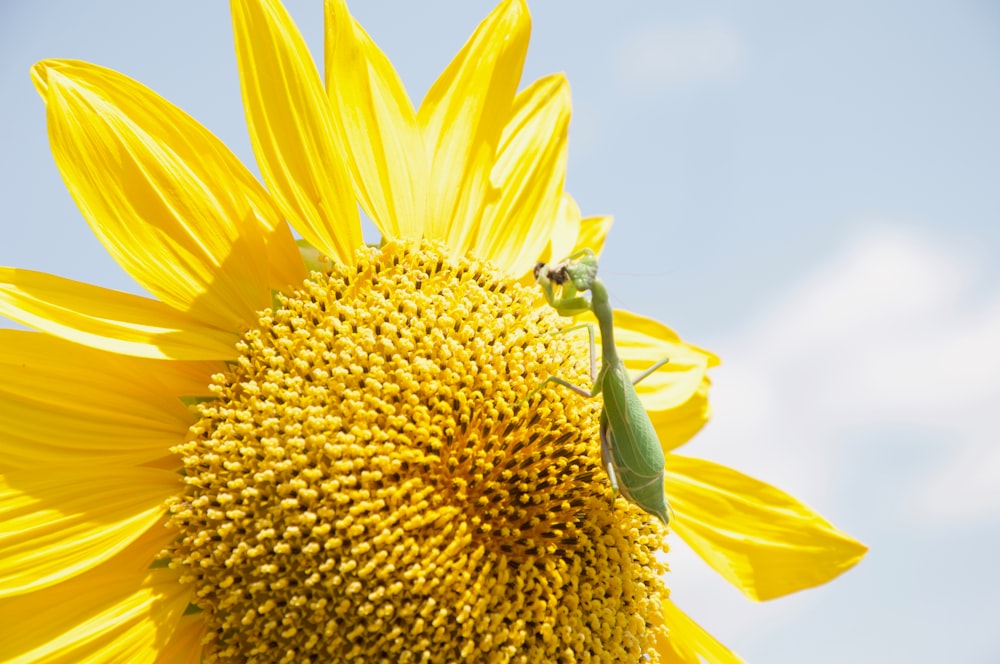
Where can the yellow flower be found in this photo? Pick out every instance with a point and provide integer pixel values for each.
(263, 463)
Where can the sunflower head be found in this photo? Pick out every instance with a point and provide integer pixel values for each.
(374, 474)
(366, 486)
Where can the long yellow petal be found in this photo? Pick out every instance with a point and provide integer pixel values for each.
(529, 172)
(676, 426)
(642, 341)
(62, 522)
(378, 124)
(563, 233)
(170, 203)
(463, 117)
(185, 644)
(565, 230)
(110, 320)
(593, 233)
(570, 233)
(690, 643)
(292, 131)
(120, 611)
(762, 540)
(63, 403)
(154, 380)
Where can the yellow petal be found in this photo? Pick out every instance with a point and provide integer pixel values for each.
(759, 538)
(184, 646)
(529, 172)
(563, 233)
(565, 230)
(642, 341)
(61, 402)
(676, 426)
(110, 320)
(170, 203)
(291, 128)
(377, 123)
(593, 233)
(286, 267)
(690, 643)
(463, 116)
(67, 520)
(120, 611)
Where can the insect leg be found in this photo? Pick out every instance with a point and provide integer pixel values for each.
(607, 460)
(647, 372)
(582, 391)
(593, 345)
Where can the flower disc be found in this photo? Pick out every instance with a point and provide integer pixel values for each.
(375, 481)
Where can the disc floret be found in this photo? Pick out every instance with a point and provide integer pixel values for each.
(365, 487)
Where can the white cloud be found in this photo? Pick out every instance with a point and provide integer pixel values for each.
(886, 344)
(882, 342)
(665, 55)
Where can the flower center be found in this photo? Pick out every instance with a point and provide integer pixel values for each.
(366, 485)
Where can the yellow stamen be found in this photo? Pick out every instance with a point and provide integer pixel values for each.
(365, 488)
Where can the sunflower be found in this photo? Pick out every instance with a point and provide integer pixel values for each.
(318, 450)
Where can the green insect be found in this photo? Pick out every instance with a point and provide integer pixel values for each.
(630, 448)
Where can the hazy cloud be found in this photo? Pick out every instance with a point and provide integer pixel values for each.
(666, 55)
(883, 340)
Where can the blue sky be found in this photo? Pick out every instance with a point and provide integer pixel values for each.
(811, 190)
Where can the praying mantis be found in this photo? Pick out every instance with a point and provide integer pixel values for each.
(630, 448)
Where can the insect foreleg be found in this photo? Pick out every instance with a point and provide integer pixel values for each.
(569, 301)
(593, 345)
